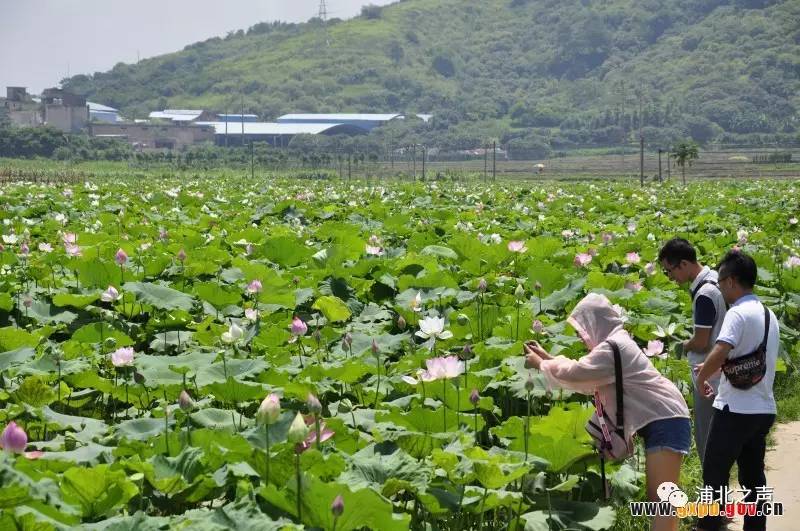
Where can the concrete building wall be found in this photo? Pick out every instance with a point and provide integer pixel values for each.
(152, 136)
(25, 118)
(66, 118)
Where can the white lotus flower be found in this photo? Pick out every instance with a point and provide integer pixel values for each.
(233, 335)
(110, 295)
(433, 327)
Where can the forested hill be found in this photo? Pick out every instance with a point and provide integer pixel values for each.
(541, 71)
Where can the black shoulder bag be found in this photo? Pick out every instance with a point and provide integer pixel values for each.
(746, 371)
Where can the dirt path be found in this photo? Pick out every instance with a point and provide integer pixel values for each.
(783, 476)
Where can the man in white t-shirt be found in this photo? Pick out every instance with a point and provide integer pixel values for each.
(742, 417)
(678, 260)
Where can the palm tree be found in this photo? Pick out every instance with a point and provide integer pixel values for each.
(683, 153)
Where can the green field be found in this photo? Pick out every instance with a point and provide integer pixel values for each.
(146, 314)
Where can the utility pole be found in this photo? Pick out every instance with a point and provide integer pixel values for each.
(659, 165)
(252, 161)
(242, 117)
(641, 159)
(494, 160)
(226, 127)
(424, 156)
(485, 163)
(414, 159)
(669, 156)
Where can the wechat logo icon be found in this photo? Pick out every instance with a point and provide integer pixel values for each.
(670, 492)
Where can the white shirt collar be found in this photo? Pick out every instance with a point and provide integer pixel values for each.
(700, 277)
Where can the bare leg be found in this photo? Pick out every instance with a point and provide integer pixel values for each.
(663, 465)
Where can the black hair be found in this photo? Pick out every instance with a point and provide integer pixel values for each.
(740, 266)
(677, 249)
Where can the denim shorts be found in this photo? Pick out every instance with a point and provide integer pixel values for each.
(674, 434)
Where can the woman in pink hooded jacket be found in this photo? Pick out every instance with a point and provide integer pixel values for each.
(653, 406)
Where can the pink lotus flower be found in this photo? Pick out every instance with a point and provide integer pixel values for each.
(299, 328)
(792, 262)
(592, 251)
(110, 295)
(121, 257)
(311, 439)
(655, 348)
(14, 439)
(69, 237)
(163, 234)
(517, 246)
(566, 233)
(373, 250)
(633, 258)
(442, 368)
(72, 250)
(633, 286)
(251, 314)
(631, 227)
(122, 357)
(582, 259)
(374, 240)
(607, 237)
(650, 268)
(254, 287)
(24, 250)
(45, 247)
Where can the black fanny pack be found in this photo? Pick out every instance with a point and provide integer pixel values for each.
(746, 371)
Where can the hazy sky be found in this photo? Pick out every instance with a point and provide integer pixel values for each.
(41, 40)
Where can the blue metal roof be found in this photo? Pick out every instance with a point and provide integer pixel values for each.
(343, 117)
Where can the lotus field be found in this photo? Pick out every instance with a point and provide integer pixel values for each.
(218, 354)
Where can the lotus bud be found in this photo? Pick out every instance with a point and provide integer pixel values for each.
(13, 439)
(138, 378)
(374, 348)
(537, 327)
(121, 257)
(337, 507)
(467, 353)
(474, 397)
(314, 405)
(185, 401)
(181, 255)
(482, 285)
(530, 383)
(269, 410)
(519, 293)
(401, 323)
(462, 319)
(298, 431)
(537, 286)
(110, 343)
(299, 328)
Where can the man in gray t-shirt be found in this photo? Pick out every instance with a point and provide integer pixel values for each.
(679, 261)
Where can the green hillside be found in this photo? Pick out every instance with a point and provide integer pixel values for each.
(535, 72)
